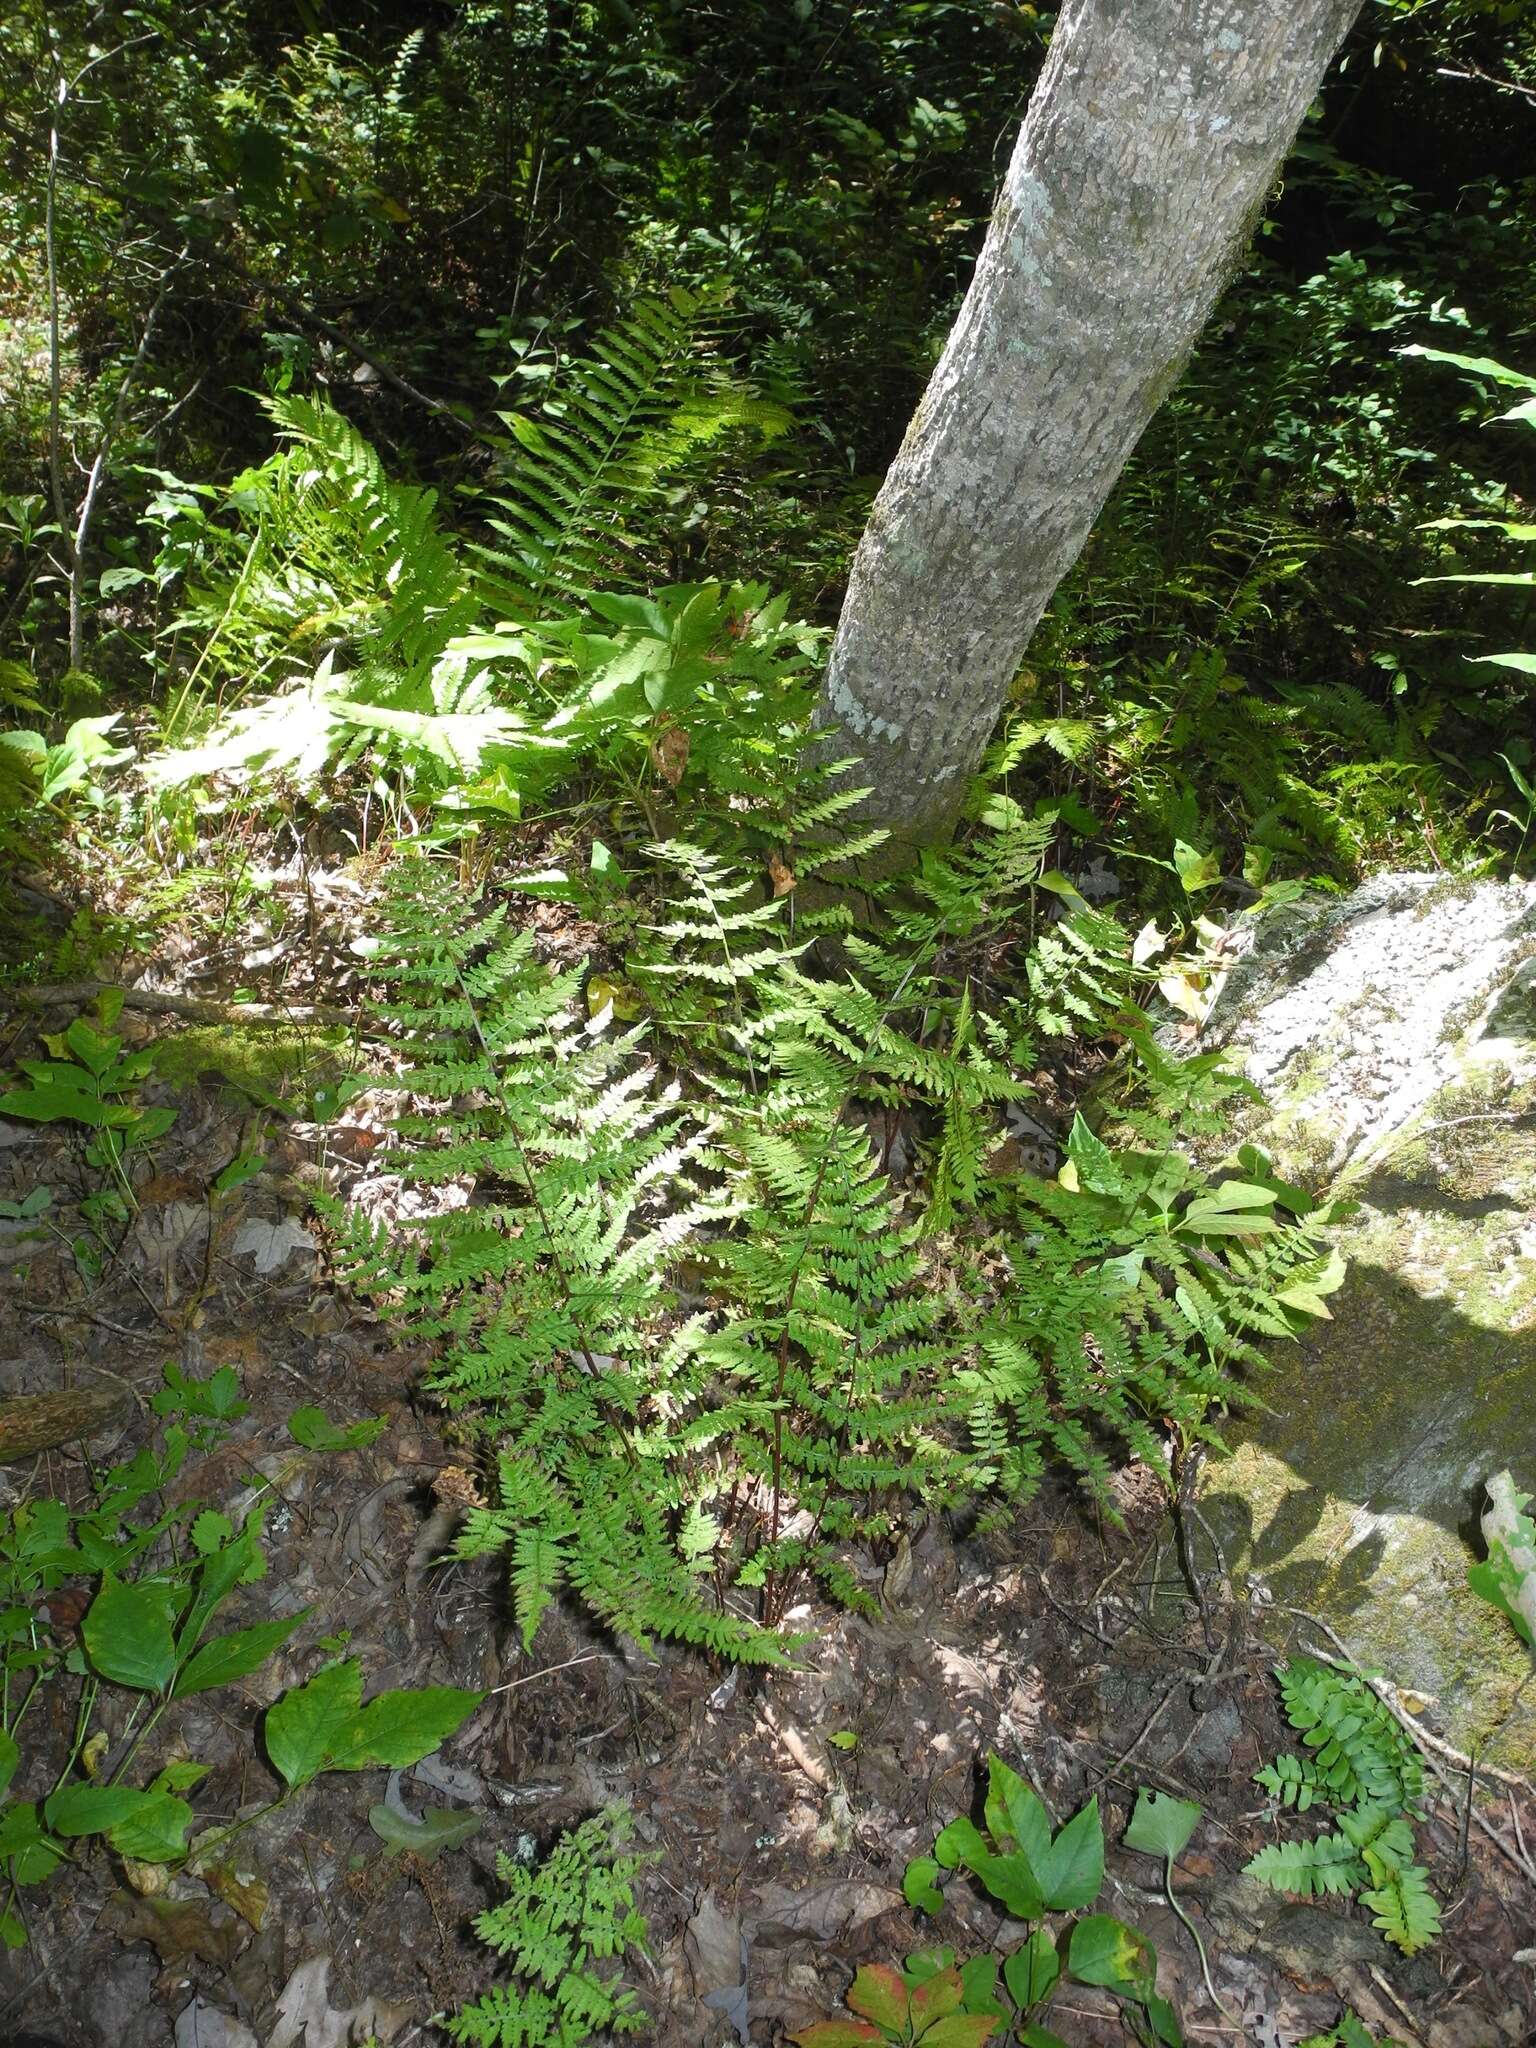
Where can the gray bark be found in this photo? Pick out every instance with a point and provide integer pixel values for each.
(1151, 143)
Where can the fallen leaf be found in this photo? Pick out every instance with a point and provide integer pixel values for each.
(781, 874)
(248, 1895)
(178, 1929)
(159, 1234)
(271, 1245)
(717, 1951)
(206, 2026)
(305, 2018)
(669, 754)
(821, 1912)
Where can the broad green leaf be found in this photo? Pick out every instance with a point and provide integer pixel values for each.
(1072, 1872)
(1164, 2021)
(323, 1726)
(1103, 1950)
(1015, 1813)
(10, 1757)
(180, 1776)
(33, 1855)
(304, 1726)
(156, 1831)
(918, 1887)
(1032, 1971)
(1161, 1824)
(1524, 663)
(82, 1809)
(313, 1428)
(959, 1843)
(958, 2030)
(877, 1993)
(239, 1562)
(837, 2034)
(1041, 2037)
(12, 1933)
(440, 1828)
(1479, 366)
(1196, 870)
(127, 1634)
(235, 1655)
(979, 1979)
(400, 1728)
(1012, 1882)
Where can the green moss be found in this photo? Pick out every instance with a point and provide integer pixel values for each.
(276, 1065)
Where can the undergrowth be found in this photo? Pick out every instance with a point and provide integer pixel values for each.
(709, 1336)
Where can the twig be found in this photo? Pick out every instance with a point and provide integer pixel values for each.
(199, 1009)
(592, 1657)
(1475, 76)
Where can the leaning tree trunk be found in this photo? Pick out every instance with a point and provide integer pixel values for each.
(1151, 143)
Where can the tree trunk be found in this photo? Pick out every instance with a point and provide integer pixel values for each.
(1152, 140)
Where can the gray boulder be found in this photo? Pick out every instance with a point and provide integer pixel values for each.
(1393, 1033)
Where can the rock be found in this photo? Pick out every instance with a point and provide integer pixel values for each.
(1393, 1033)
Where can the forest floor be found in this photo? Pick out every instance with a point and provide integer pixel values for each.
(1095, 1658)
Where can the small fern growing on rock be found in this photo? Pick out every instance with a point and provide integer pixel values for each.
(1363, 1765)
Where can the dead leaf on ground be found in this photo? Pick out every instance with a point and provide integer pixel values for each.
(179, 1929)
(821, 1912)
(248, 1895)
(717, 1951)
(200, 2025)
(272, 1245)
(305, 2018)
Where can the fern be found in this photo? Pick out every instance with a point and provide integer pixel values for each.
(1364, 1765)
(545, 1294)
(1323, 1868)
(556, 1926)
(1360, 1749)
(595, 454)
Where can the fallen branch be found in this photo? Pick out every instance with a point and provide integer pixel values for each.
(196, 1009)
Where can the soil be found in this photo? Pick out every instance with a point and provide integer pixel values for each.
(1081, 1651)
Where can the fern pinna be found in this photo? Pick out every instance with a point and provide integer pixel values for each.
(1362, 1764)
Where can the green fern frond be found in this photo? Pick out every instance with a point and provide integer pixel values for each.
(1324, 1868)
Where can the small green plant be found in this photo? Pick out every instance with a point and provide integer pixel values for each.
(162, 1574)
(1034, 1872)
(561, 1926)
(1362, 1766)
(1349, 2033)
(91, 1080)
(1506, 1578)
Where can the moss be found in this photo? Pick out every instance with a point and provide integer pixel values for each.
(1356, 1496)
(277, 1065)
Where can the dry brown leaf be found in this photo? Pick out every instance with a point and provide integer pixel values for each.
(821, 1912)
(178, 1928)
(781, 874)
(248, 1895)
(669, 754)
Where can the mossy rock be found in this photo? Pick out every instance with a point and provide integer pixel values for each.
(1357, 1497)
